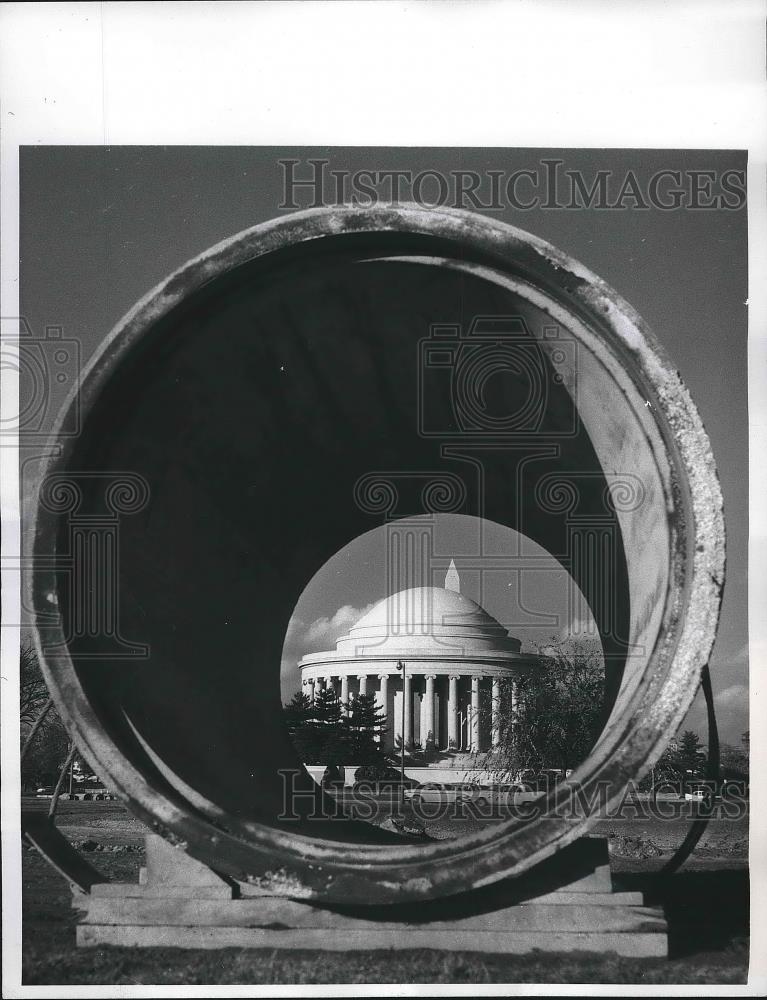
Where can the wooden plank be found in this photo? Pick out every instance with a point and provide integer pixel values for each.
(123, 890)
(637, 944)
(288, 914)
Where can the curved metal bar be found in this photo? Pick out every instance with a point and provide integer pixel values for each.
(698, 826)
(60, 782)
(40, 832)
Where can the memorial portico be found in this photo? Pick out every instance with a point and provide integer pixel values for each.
(461, 667)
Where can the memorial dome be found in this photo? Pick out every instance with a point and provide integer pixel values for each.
(422, 618)
(437, 652)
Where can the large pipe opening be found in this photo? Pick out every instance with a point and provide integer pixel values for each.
(251, 399)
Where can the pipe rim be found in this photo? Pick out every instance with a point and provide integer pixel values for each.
(302, 866)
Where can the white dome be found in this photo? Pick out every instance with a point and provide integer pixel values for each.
(427, 618)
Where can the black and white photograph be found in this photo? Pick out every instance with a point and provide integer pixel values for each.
(380, 591)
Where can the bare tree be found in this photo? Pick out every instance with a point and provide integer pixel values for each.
(555, 715)
(50, 744)
(34, 693)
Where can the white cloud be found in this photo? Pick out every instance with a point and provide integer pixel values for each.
(733, 697)
(312, 637)
(327, 630)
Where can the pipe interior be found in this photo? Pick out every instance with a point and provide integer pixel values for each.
(251, 412)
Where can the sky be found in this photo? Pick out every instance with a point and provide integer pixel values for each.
(511, 577)
(99, 227)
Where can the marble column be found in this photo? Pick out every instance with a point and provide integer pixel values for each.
(345, 691)
(363, 679)
(452, 711)
(496, 712)
(384, 695)
(430, 733)
(408, 696)
(309, 685)
(474, 745)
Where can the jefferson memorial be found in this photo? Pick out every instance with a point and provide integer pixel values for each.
(455, 657)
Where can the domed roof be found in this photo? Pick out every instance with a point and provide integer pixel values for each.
(425, 617)
(424, 606)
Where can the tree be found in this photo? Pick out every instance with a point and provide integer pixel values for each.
(34, 692)
(733, 762)
(51, 744)
(554, 717)
(327, 708)
(298, 710)
(666, 771)
(365, 725)
(690, 757)
(301, 720)
(323, 732)
(317, 728)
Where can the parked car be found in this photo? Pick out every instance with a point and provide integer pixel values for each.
(466, 786)
(434, 790)
(540, 781)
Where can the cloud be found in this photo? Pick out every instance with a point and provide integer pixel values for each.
(312, 637)
(733, 697)
(324, 632)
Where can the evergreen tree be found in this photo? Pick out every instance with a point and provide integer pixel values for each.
(365, 725)
(301, 720)
(327, 708)
(689, 755)
(323, 733)
(298, 711)
(321, 737)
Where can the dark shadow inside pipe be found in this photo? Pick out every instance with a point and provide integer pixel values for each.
(251, 411)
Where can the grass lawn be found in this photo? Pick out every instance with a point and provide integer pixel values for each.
(706, 909)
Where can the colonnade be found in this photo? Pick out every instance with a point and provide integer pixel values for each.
(462, 729)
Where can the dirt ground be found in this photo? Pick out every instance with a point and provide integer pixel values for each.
(705, 904)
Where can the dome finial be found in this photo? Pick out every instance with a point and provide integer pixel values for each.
(452, 580)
